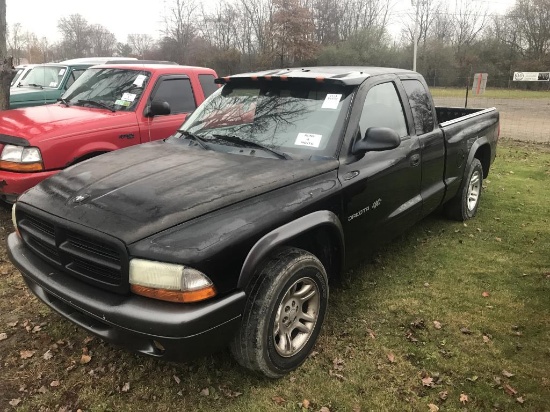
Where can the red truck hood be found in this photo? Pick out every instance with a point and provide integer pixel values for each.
(55, 120)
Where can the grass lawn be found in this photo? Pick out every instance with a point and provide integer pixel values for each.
(490, 93)
(448, 317)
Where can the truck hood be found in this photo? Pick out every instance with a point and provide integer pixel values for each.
(39, 123)
(136, 192)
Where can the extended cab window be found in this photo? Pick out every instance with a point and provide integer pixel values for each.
(178, 93)
(383, 108)
(420, 106)
(207, 84)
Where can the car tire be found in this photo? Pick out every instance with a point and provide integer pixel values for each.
(464, 205)
(286, 306)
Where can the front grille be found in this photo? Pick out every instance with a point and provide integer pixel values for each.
(81, 252)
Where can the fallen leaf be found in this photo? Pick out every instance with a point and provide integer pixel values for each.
(125, 387)
(338, 364)
(88, 339)
(324, 409)
(437, 324)
(85, 359)
(371, 333)
(464, 398)
(47, 355)
(520, 399)
(26, 354)
(305, 403)
(509, 390)
(443, 395)
(485, 294)
(3, 336)
(473, 378)
(486, 339)
(278, 400)
(356, 408)
(15, 402)
(13, 324)
(391, 357)
(205, 392)
(55, 384)
(42, 389)
(37, 328)
(428, 381)
(466, 331)
(498, 239)
(507, 374)
(433, 407)
(178, 380)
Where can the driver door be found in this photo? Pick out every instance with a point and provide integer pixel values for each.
(381, 189)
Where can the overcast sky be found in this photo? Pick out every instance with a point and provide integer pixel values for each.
(123, 17)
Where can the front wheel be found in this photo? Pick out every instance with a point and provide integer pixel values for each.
(286, 306)
(464, 205)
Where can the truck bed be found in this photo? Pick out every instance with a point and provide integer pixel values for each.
(448, 114)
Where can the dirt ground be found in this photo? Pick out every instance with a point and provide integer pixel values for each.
(525, 120)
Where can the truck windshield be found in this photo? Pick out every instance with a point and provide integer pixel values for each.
(296, 119)
(44, 76)
(115, 89)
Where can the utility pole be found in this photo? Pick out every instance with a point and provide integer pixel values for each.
(6, 63)
(416, 30)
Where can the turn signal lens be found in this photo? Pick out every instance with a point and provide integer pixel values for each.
(21, 159)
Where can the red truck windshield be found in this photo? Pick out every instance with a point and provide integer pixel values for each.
(114, 89)
(294, 119)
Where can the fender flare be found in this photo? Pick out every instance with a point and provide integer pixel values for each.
(286, 232)
(477, 144)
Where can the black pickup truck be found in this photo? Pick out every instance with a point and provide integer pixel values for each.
(228, 232)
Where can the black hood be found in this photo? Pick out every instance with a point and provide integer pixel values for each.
(136, 192)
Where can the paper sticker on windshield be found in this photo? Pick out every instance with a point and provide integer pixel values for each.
(128, 97)
(52, 84)
(124, 103)
(61, 72)
(308, 139)
(139, 80)
(331, 101)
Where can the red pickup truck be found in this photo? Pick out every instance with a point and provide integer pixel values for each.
(109, 107)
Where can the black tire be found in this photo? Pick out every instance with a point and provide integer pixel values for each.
(464, 205)
(258, 345)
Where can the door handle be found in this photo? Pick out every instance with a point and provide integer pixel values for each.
(415, 160)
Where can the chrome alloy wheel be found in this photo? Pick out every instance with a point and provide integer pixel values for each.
(296, 317)
(474, 189)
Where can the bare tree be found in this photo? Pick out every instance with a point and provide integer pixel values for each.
(76, 35)
(141, 44)
(6, 73)
(16, 42)
(102, 41)
(179, 26)
(532, 20)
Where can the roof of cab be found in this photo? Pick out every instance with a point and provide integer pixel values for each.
(344, 75)
(154, 67)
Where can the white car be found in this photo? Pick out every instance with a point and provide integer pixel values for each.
(21, 72)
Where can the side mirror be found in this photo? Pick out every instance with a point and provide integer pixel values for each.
(377, 139)
(158, 108)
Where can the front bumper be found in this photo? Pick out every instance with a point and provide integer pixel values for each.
(13, 184)
(171, 331)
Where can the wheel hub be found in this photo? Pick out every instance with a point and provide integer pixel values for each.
(296, 317)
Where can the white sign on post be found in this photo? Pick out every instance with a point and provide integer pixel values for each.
(480, 83)
(531, 76)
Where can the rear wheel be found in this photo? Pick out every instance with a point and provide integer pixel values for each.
(284, 312)
(464, 205)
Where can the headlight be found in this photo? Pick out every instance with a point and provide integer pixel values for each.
(21, 159)
(168, 281)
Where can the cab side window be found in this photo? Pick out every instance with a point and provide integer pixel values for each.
(178, 93)
(420, 105)
(382, 108)
(75, 74)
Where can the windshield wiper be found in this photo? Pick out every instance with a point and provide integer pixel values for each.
(247, 143)
(195, 138)
(96, 103)
(33, 85)
(64, 101)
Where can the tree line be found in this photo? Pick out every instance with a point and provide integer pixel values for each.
(243, 35)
